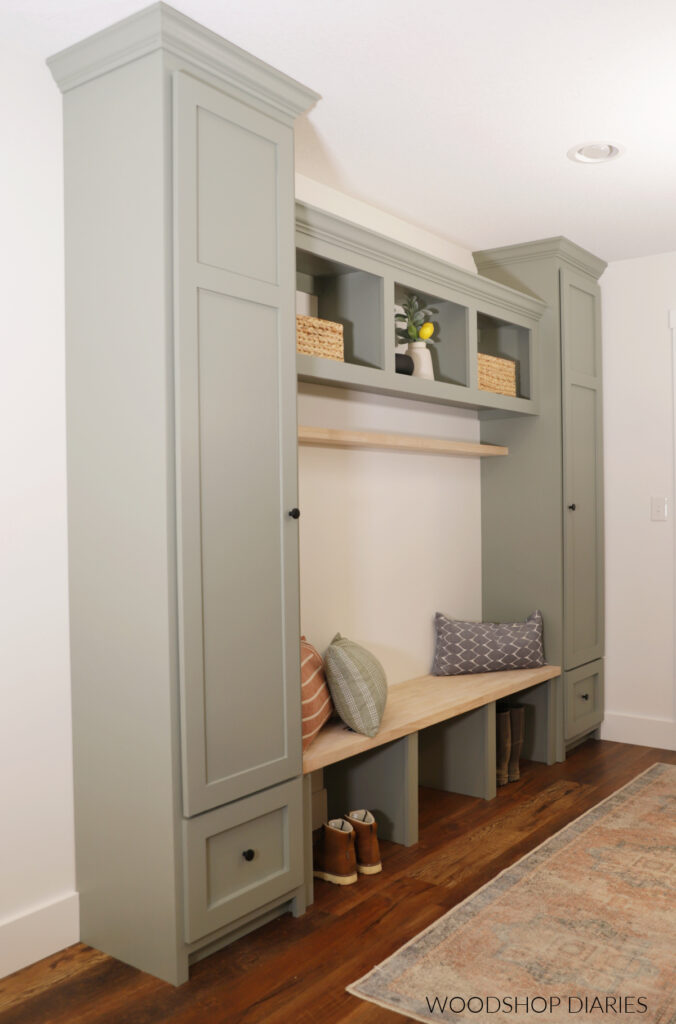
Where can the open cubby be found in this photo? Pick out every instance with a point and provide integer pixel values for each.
(449, 347)
(496, 337)
(347, 296)
(359, 278)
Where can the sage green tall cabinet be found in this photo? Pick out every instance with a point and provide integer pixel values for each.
(542, 512)
(183, 560)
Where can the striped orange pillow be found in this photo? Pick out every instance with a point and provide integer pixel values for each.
(316, 699)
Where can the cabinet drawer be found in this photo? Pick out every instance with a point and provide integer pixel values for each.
(583, 700)
(242, 856)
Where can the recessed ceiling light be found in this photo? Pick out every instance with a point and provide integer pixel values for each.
(594, 152)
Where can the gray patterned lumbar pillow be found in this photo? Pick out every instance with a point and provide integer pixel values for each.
(464, 647)
(357, 683)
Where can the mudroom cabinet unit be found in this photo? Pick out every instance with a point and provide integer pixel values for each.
(542, 518)
(191, 818)
(183, 566)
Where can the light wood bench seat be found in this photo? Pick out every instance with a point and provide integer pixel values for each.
(419, 703)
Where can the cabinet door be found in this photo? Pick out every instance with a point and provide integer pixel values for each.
(582, 469)
(235, 381)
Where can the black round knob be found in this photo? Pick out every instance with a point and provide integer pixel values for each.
(295, 513)
(584, 696)
(248, 854)
(572, 507)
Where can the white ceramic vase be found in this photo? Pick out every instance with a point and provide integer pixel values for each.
(422, 359)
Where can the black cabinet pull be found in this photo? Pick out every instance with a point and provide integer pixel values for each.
(584, 696)
(295, 513)
(572, 507)
(248, 854)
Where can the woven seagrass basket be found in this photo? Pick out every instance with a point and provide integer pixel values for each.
(497, 375)
(315, 337)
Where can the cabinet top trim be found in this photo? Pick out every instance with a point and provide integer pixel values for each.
(162, 27)
(326, 437)
(557, 248)
(312, 224)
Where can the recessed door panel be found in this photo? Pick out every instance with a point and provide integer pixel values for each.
(240, 502)
(582, 583)
(580, 327)
(236, 447)
(237, 208)
(582, 471)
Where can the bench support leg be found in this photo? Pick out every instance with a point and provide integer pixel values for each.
(544, 722)
(307, 840)
(385, 782)
(459, 755)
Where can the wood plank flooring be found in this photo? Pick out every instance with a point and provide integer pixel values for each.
(295, 971)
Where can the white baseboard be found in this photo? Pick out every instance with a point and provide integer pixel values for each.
(38, 933)
(646, 732)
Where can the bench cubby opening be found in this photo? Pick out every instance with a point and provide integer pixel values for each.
(437, 731)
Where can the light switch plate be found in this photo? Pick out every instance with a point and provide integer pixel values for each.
(658, 509)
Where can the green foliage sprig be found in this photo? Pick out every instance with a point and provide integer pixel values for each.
(417, 321)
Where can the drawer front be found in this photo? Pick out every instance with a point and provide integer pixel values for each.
(583, 689)
(242, 856)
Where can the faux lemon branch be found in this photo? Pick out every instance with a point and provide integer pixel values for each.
(415, 318)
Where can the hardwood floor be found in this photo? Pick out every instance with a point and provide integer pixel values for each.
(295, 971)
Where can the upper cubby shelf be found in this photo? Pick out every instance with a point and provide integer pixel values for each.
(357, 278)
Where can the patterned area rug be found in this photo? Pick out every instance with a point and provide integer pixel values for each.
(581, 929)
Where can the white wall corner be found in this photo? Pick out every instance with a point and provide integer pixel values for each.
(38, 906)
(643, 731)
(39, 933)
(639, 302)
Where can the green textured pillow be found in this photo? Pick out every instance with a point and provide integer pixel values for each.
(357, 683)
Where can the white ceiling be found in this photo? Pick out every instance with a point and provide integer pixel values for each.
(457, 116)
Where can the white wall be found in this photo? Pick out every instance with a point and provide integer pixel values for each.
(387, 538)
(38, 905)
(639, 463)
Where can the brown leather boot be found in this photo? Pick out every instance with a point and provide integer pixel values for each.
(368, 851)
(333, 856)
(516, 718)
(504, 743)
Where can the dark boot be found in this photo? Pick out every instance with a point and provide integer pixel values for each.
(333, 856)
(504, 738)
(517, 716)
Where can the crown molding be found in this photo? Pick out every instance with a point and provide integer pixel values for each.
(312, 223)
(160, 27)
(553, 248)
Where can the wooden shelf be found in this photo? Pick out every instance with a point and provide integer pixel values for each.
(331, 373)
(327, 438)
(419, 703)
